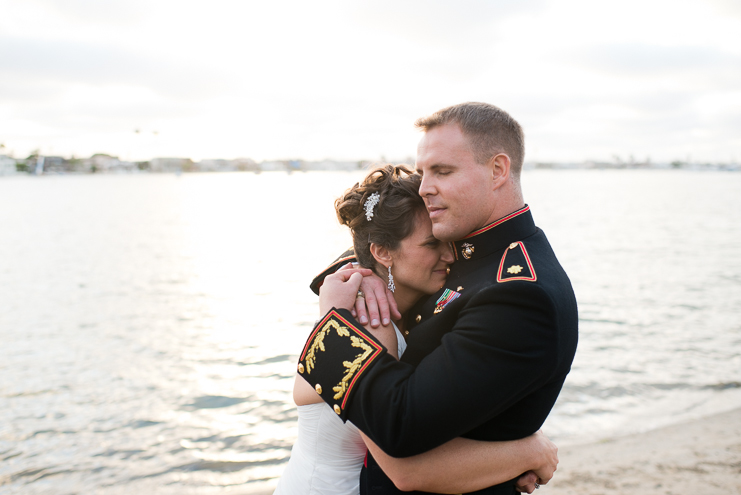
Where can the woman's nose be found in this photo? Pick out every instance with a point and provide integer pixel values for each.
(448, 253)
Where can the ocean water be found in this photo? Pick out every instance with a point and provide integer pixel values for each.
(150, 324)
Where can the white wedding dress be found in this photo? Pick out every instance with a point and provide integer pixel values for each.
(328, 454)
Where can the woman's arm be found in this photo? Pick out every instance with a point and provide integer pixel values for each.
(465, 465)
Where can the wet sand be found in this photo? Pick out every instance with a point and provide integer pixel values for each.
(694, 458)
(698, 457)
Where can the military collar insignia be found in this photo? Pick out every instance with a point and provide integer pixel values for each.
(495, 236)
(467, 250)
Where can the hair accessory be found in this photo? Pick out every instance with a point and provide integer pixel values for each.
(370, 203)
(391, 285)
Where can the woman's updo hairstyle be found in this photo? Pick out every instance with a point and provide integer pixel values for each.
(393, 216)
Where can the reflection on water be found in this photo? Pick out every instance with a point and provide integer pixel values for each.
(150, 324)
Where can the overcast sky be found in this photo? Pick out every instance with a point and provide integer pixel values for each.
(346, 79)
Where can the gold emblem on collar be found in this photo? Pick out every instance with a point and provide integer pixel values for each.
(467, 250)
(513, 245)
(515, 269)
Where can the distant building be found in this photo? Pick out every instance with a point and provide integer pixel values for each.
(215, 165)
(246, 165)
(173, 165)
(103, 163)
(53, 165)
(274, 166)
(333, 165)
(305, 166)
(7, 165)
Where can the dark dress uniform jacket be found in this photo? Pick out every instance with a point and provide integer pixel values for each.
(486, 358)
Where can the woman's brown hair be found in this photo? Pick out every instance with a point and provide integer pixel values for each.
(393, 216)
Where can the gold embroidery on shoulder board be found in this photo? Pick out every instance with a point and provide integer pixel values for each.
(352, 367)
(319, 342)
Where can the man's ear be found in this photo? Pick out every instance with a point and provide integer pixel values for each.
(500, 169)
(381, 254)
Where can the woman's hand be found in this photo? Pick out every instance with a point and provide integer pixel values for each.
(377, 304)
(340, 289)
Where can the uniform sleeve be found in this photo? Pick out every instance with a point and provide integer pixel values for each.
(337, 354)
(502, 348)
(346, 257)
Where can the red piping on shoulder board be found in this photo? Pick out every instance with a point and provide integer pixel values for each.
(533, 278)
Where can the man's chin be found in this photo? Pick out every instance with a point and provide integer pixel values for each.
(443, 232)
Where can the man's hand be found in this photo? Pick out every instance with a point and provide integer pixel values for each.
(548, 453)
(340, 289)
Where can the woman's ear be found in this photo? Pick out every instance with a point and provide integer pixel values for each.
(381, 254)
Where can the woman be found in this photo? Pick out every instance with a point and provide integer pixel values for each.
(392, 236)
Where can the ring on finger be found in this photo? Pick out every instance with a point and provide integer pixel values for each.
(360, 294)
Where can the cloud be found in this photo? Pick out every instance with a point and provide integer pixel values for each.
(347, 79)
(97, 63)
(115, 12)
(640, 60)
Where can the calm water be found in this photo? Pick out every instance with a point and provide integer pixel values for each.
(149, 324)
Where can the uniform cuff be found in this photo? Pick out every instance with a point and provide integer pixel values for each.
(336, 355)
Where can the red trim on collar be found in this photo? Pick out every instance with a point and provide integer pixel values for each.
(498, 222)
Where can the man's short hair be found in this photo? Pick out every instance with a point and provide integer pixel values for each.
(489, 129)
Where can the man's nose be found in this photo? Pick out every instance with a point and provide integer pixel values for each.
(425, 187)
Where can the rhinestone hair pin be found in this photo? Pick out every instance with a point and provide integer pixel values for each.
(370, 203)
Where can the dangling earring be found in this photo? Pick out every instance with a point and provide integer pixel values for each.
(391, 285)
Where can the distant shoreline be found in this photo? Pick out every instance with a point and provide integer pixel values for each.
(103, 163)
(195, 168)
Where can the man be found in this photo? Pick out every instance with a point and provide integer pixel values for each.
(487, 355)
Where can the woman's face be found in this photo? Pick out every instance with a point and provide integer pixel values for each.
(420, 264)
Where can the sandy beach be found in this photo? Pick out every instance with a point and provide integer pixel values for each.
(698, 457)
(693, 458)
